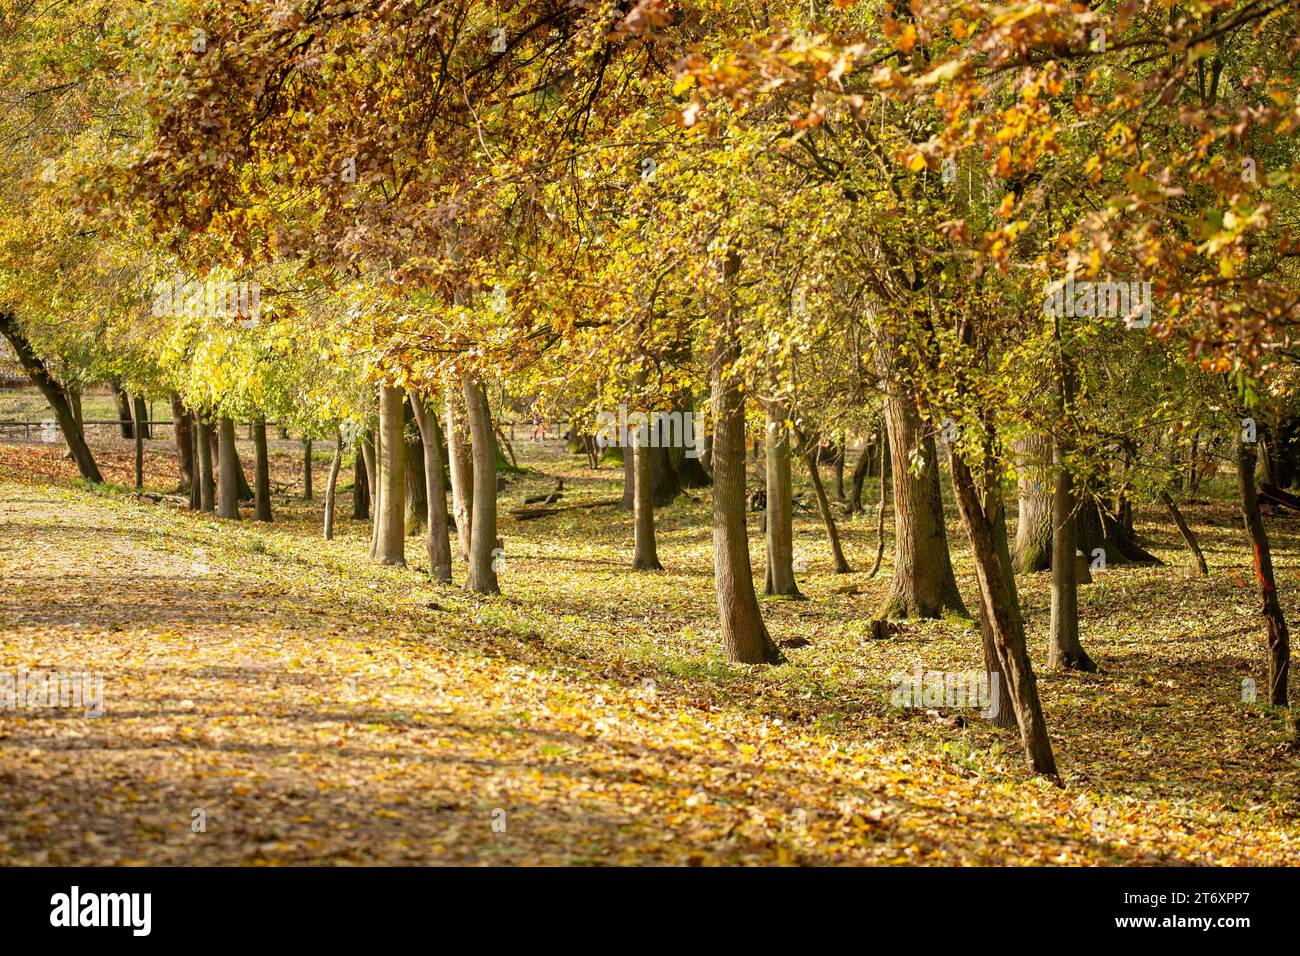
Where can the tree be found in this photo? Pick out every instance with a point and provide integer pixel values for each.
(54, 393)
(390, 508)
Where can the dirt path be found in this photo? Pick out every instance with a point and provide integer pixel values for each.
(303, 710)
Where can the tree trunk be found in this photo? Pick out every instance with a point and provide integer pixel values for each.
(841, 451)
(331, 485)
(196, 478)
(246, 492)
(390, 525)
(261, 473)
(1098, 528)
(629, 477)
(417, 493)
(744, 635)
(690, 471)
(123, 409)
(1004, 716)
(207, 482)
(139, 457)
(645, 553)
(306, 469)
(366, 457)
(142, 429)
(482, 578)
(184, 436)
(665, 486)
(54, 393)
(1033, 550)
(438, 540)
(779, 537)
(1189, 537)
(228, 471)
(74, 401)
(861, 472)
(1279, 641)
(360, 484)
(460, 465)
(884, 501)
(1000, 608)
(923, 583)
(1064, 648)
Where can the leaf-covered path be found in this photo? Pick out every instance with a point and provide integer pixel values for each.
(319, 713)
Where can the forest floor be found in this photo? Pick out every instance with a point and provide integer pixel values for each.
(270, 698)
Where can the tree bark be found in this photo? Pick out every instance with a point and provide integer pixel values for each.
(261, 473)
(460, 465)
(184, 436)
(366, 456)
(645, 555)
(207, 482)
(390, 525)
(861, 472)
(744, 635)
(884, 501)
(779, 534)
(438, 540)
(331, 485)
(54, 393)
(482, 578)
(74, 399)
(139, 456)
(629, 476)
(923, 584)
(1033, 549)
(123, 409)
(142, 429)
(360, 484)
(1279, 641)
(246, 492)
(417, 492)
(228, 471)
(690, 471)
(1065, 650)
(306, 469)
(1064, 647)
(1000, 608)
(842, 449)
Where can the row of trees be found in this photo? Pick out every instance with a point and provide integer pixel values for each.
(809, 221)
